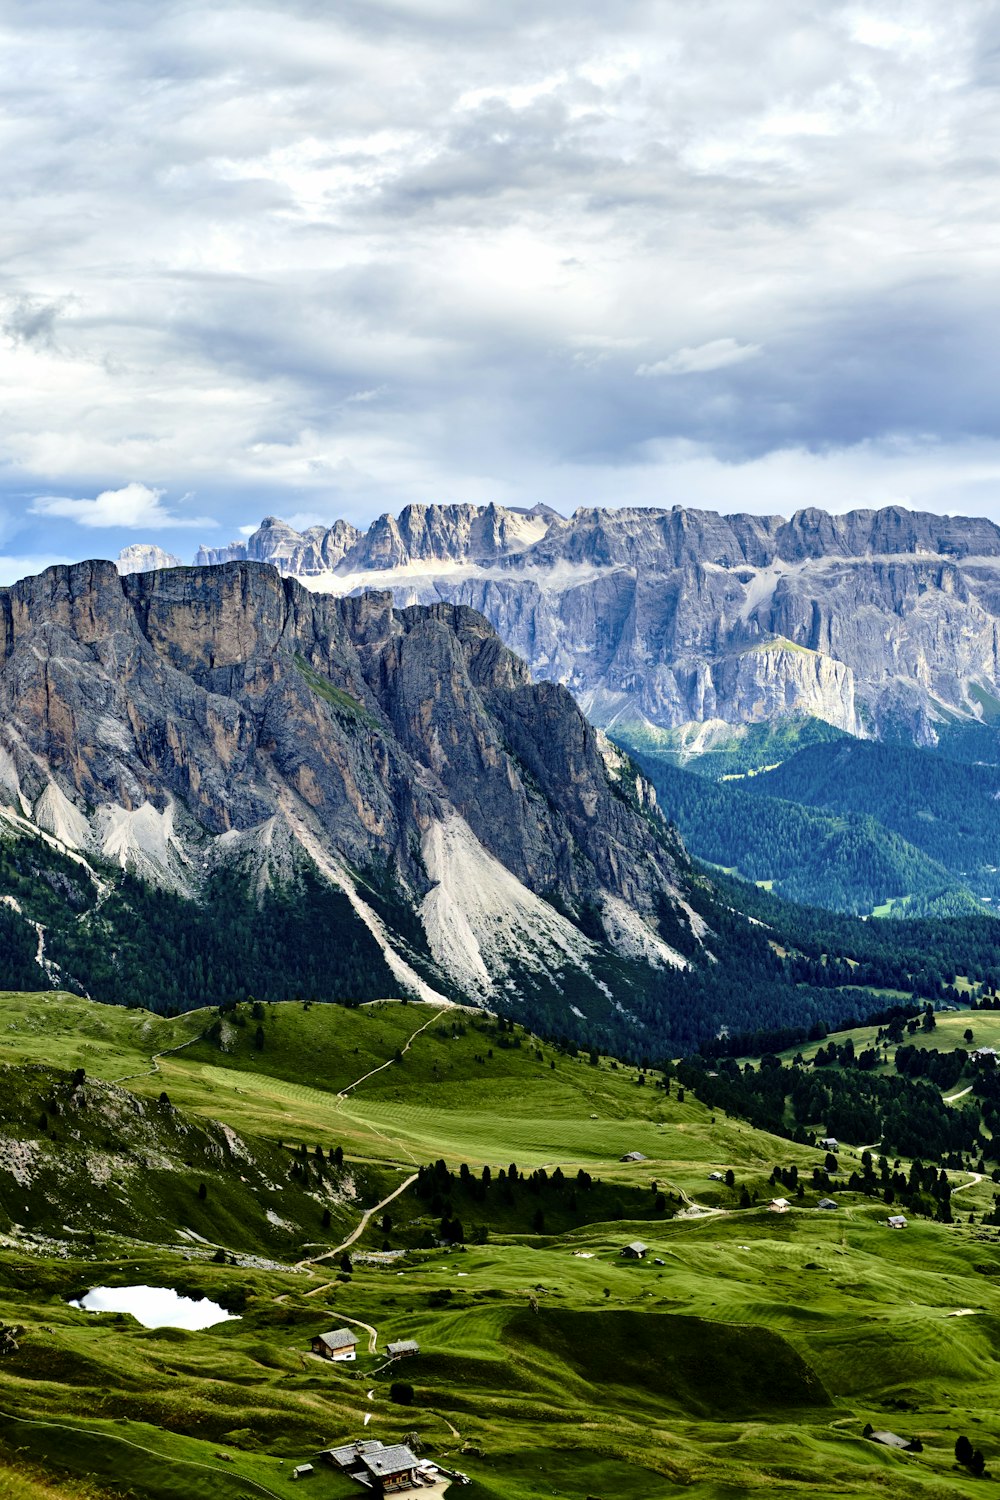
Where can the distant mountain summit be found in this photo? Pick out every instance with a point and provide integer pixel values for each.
(144, 557)
(884, 623)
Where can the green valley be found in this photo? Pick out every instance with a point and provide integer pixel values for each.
(833, 821)
(477, 1171)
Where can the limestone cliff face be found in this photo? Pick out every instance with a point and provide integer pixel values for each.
(174, 719)
(890, 619)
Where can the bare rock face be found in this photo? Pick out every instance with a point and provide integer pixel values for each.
(881, 622)
(173, 719)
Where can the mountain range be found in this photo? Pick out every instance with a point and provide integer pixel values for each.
(882, 623)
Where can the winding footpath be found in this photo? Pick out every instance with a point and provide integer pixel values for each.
(366, 1218)
(975, 1178)
(155, 1066)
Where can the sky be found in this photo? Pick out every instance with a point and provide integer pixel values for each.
(320, 261)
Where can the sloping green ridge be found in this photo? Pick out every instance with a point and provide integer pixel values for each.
(108, 1456)
(706, 1369)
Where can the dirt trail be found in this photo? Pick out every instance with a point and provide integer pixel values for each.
(382, 1066)
(315, 1260)
(155, 1066)
(975, 1178)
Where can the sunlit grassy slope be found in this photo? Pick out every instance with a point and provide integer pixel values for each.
(747, 1363)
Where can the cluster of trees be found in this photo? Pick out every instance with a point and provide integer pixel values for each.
(143, 945)
(313, 1169)
(970, 1458)
(943, 1069)
(539, 1201)
(906, 1115)
(942, 807)
(844, 824)
(924, 1190)
(848, 861)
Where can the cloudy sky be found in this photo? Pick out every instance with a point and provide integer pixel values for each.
(321, 260)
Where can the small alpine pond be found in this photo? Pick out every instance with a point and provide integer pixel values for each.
(155, 1306)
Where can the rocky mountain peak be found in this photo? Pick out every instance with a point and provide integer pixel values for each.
(143, 557)
(177, 719)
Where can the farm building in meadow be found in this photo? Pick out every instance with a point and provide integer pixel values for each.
(304, 1471)
(892, 1440)
(896, 1221)
(632, 1156)
(402, 1348)
(635, 1251)
(826, 1203)
(382, 1470)
(391, 1469)
(779, 1205)
(348, 1456)
(341, 1343)
(829, 1143)
(716, 1176)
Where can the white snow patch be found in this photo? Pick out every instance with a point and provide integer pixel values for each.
(577, 1012)
(555, 578)
(629, 935)
(56, 814)
(480, 919)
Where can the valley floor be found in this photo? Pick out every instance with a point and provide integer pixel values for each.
(743, 1355)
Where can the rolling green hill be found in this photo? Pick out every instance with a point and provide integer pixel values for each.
(743, 1356)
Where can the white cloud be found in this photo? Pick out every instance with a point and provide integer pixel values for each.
(717, 354)
(417, 250)
(13, 568)
(133, 506)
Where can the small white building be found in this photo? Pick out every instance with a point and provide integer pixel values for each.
(896, 1221)
(779, 1205)
(303, 1471)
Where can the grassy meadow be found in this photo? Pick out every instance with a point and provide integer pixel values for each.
(746, 1362)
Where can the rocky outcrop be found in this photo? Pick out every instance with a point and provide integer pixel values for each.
(882, 622)
(175, 719)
